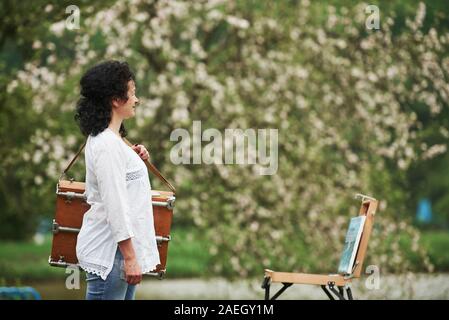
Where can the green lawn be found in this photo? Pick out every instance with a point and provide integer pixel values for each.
(188, 257)
(25, 261)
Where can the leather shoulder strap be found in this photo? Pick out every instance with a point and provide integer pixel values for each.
(73, 160)
(149, 165)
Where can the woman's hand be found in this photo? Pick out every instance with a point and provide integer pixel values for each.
(141, 151)
(133, 273)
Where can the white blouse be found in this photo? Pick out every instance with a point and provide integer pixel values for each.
(118, 190)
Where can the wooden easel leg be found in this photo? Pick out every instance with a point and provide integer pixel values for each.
(328, 294)
(286, 285)
(267, 292)
(334, 291)
(266, 286)
(349, 293)
(340, 290)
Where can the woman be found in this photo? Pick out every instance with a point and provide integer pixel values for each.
(117, 241)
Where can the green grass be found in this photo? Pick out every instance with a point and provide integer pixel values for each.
(26, 261)
(21, 261)
(187, 257)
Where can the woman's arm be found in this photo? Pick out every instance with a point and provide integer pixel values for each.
(133, 273)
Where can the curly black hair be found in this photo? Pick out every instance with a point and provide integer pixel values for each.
(99, 86)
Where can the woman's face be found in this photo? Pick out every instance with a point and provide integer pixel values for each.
(127, 108)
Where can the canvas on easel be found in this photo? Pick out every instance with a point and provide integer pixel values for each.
(351, 245)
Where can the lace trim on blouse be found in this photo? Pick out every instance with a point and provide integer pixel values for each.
(101, 271)
(134, 175)
(94, 268)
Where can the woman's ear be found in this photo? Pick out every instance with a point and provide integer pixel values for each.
(116, 102)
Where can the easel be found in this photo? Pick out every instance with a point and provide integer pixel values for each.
(336, 284)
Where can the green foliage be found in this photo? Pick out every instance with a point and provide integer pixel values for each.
(437, 244)
(27, 181)
(189, 257)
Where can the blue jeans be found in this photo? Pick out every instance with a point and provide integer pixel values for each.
(114, 287)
